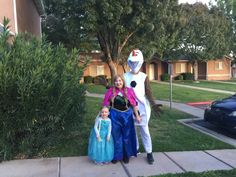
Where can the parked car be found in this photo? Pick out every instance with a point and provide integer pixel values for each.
(222, 113)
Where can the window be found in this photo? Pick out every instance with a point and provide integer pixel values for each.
(100, 70)
(218, 65)
(96, 70)
(180, 67)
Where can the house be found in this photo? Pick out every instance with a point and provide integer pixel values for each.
(96, 66)
(24, 15)
(219, 69)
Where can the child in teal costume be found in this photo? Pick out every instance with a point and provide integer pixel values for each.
(101, 146)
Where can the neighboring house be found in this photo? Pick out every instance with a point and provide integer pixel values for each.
(96, 66)
(233, 71)
(24, 15)
(219, 69)
(210, 70)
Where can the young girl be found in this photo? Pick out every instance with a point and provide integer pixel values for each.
(101, 147)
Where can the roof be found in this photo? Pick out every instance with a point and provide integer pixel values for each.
(40, 7)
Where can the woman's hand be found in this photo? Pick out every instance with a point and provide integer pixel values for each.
(138, 118)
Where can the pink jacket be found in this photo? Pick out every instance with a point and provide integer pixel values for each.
(130, 96)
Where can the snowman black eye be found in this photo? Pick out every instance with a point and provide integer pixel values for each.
(133, 84)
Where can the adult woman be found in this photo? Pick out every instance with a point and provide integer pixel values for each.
(122, 102)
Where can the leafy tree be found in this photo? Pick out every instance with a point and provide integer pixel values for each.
(205, 34)
(118, 26)
(229, 8)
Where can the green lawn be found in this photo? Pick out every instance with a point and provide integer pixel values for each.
(167, 134)
(210, 84)
(220, 173)
(179, 94)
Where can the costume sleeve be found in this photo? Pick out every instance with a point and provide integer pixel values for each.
(132, 97)
(148, 92)
(109, 129)
(96, 125)
(107, 97)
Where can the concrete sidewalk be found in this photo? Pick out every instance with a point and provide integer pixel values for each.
(165, 162)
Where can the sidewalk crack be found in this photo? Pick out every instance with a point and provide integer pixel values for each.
(219, 159)
(174, 162)
(126, 170)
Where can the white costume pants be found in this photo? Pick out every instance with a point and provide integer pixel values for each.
(145, 136)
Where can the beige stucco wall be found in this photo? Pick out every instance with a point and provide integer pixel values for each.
(28, 17)
(7, 10)
(214, 74)
(174, 67)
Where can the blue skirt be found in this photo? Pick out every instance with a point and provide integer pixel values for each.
(123, 133)
(100, 151)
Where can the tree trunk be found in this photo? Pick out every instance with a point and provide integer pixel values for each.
(123, 66)
(195, 70)
(113, 69)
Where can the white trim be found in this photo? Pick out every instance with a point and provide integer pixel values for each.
(15, 16)
(41, 35)
(218, 75)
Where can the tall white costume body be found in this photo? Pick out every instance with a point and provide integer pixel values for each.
(136, 80)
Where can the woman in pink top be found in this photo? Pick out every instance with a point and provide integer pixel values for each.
(123, 107)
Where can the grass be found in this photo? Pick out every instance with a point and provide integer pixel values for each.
(208, 84)
(218, 173)
(167, 134)
(184, 95)
(179, 94)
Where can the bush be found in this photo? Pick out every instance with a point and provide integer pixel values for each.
(179, 77)
(187, 76)
(100, 79)
(165, 77)
(42, 99)
(88, 79)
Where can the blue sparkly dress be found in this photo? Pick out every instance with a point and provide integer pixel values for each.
(101, 151)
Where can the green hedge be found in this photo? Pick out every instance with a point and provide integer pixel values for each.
(165, 77)
(88, 79)
(42, 99)
(187, 76)
(179, 77)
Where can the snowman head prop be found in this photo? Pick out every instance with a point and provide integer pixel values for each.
(135, 60)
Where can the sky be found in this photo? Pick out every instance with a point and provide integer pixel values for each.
(193, 1)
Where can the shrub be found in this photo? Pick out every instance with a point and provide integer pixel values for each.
(187, 76)
(88, 79)
(100, 79)
(165, 77)
(179, 77)
(42, 99)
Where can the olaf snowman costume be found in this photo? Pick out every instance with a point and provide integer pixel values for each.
(137, 80)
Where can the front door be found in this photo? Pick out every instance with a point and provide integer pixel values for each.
(151, 72)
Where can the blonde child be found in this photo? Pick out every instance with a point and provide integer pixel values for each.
(101, 146)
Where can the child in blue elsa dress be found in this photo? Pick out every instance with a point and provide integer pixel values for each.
(101, 146)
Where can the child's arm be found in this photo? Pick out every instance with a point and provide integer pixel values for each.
(96, 125)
